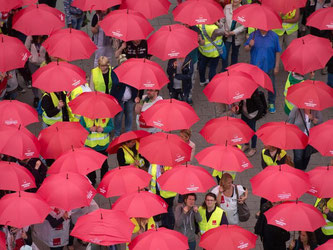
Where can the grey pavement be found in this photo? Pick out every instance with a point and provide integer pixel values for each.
(206, 111)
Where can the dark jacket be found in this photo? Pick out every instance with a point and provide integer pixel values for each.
(185, 76)
(118, 88)
(279, 162)
(253, 104)
(51, 110)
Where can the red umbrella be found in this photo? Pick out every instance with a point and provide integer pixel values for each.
(170, 115)
(227, 129)
(321, 138)
(321, 182)
(6, 6)
(198, 12)
(126, 25)
(67, 191)
(234, 237)
(326, 246)
(39, 19)
(224, 158)
(123, 180)
(295, 216)
(58, 76)
(79, 160)
(309, 94)
(87, 5)
(61, 137)
(230, 87)
(186, 179)
(13, 53)
(18, 142)
(284, 6)
(2, 240)
(277, 183)
(128, 136)
(70, 45)
(95, 105)
(159, 238)
(17, 113)
(257, 16)
(150, 9)
(172, 41)
(104, 227)
(258, 75)
(321, 19)
(15, 177)
(165, 149)
(282, 135)
(141, 204)
(306, 54)
(23, 209)
(141, 73)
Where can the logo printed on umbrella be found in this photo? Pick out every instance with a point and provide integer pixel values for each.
(238, 96)
(102, 190)
(241, 19)
(331, 152)
(243, 245)
(117, 33)
(201, 20)
(173, 53)
(11, 122)
(310, 103)
(284, 196)
(163, 205)
(313, 190)
(89, 195)
(95, 240)
(280, 222)
(158, 123)
(61, 16)
(329, 26)
(29, 153)
(245, 164)
(179, 158)
(24, 56)
(236, 139)
(149, 84)
(26, 184)
(76, 82)
(192, 188)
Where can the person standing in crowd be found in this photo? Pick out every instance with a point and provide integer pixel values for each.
(186, 215)
(330, 66)
(325, 233)
(265, 53)
(306, 240)
(128, 154)
(74, 16)
(142, 105)
(16, 238)
(304, 119)
(102, 76)
(133, 49)
(38, 170)
(186, 134)
(98, 140)
(272, 156)
(234, 33)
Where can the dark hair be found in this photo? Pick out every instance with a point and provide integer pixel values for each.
(210, 194)
(190, 194)
(312, 241)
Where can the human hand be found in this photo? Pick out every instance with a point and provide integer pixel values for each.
(137, 99)
(241, 199)
(292, 244)
(221, 189)
(93, 129)
(60, 104)
(37, 165)
(195, 209)
(231, 33)
(276, 70)
(123, 45)
(251, 43)
(100, 129)
(65, 216)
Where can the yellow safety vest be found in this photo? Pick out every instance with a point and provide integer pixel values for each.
(328, 228)
(250, 30)
(288, 106)
(289, 28)
(129, 155)
(98, 80)
(151, 224)
(163, 193)
(94, 138)
(58, 117)
(75, 93)
(208, 49)
(214, 220)
(268, 160)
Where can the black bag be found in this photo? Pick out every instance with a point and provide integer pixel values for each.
(263, 102)
(309, 150)
(242, 209)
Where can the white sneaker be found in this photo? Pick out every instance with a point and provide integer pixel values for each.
(202, 84)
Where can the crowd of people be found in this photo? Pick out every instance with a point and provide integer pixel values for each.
(220, 205)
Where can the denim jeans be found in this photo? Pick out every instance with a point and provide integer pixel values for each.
(272, 96)
(234, 54)
(128, 108)
(330, 79)
(203, 62)
(252, 124)
(192, 245)
(300, 161)
(76, 22)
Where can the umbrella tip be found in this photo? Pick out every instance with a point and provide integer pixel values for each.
(72, 148)
(67, 176)
(101, 216)
(226, 142)
(169, 27)
(303, 41)
(19, 127)
(57, 129)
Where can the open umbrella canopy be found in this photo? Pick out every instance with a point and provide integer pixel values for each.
(321, 138)
(23, 209)
(17, 113)
(3, 240)
(13, 53)
(6, 6)
(104, 227)
(38, 19)
(150, 9)
(69, 44)
(87, 5)
(321, 182)
(326, 246)
(284, 6)
(321, 19)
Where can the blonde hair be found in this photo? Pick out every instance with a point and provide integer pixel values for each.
(121, 58)
(186, 132)
(103, 60)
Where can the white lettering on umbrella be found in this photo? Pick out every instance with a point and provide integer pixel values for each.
(241, 19)
(310, 104)
(238, 96)
(236, 139)
(284, 196)
(149, 85)
(245, 164)
(243, 245)
(89, 194)
(179, 158)
(76, 82)
(329, 26)
(313, 190)
(24, 56)
(158, 123)
(331, 152)
(200, 20)
(163, 204)
(173, 53)
(11, 122)
(117, 33)
(29, 153)
(61, 16)
(280, 222)
(102, 190)
(26, 184)
(192, 188)
(95, 240)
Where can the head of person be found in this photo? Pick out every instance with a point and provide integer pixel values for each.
(136, 42)
(307, 238)
(236, 3)
(226, 181)
(210, 201)
(104, 64)
(189, 199)
(185, 134)
(263, 32)
(271, 148)
(130, 143)
(152, 93)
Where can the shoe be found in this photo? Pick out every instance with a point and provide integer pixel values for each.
(324, 71)
(271, 108)
(36, 101)
(251, 153)
(202, 84)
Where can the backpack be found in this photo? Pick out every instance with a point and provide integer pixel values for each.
(263, 102)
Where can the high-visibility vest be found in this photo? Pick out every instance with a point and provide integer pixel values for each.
(58, 117)
(288, 106)
(153, 183)
(130, 157)
(94, 138)
(250, 30)
(328, 228)
(151, 224)
(289, 28)
(214, 220)
(73, 94)
(208, 49)
(98, 79)
(269, 161)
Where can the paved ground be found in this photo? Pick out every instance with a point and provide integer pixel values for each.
(206, 111)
